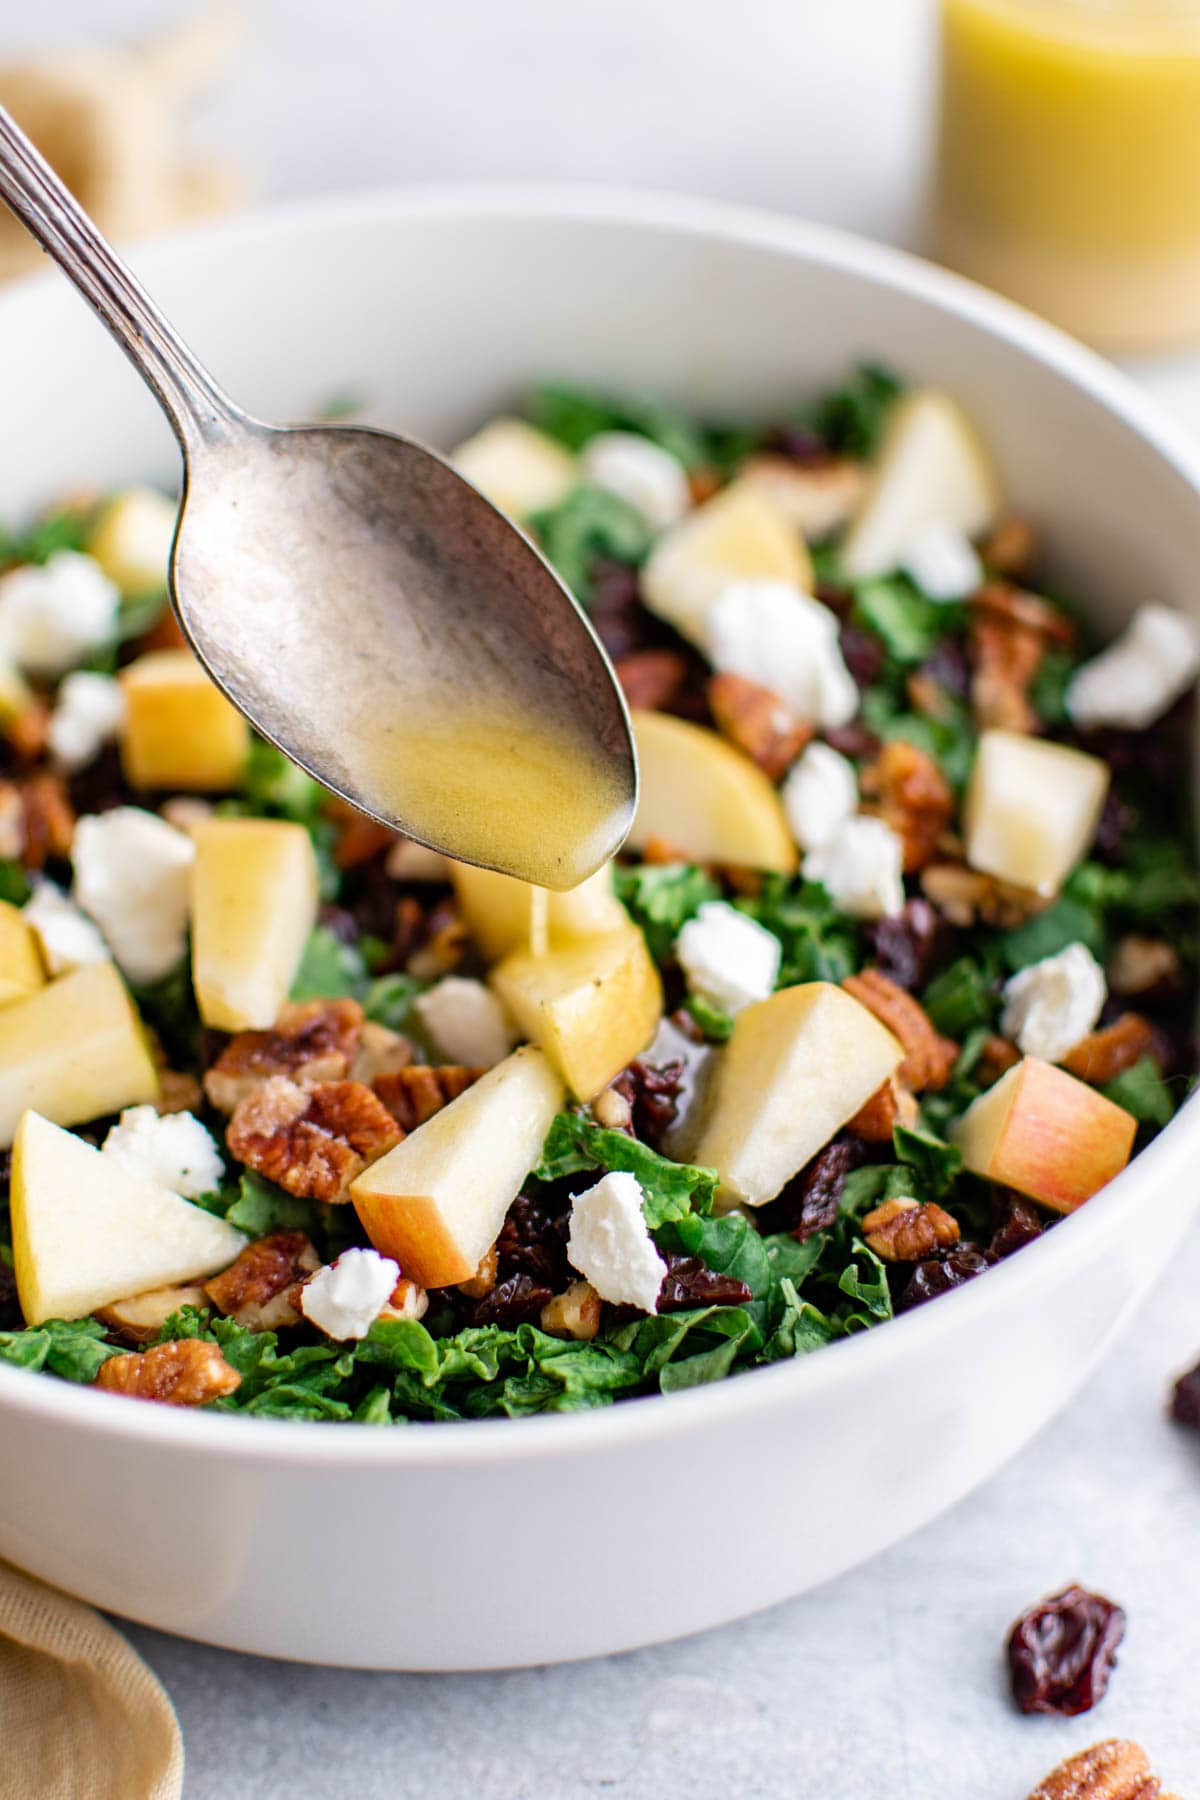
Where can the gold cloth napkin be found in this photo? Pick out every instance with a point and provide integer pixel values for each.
(81, 1716)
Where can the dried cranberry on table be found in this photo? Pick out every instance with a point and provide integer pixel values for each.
(1185, 1399)
(1061, 1652)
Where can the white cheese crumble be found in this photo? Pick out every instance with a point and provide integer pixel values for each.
(943, 563)
(819, 794)
(345, 1298)
(1134, 681)
(1050, 1005)
(730, 960)
(653, 481)
(466, 1022)
(67, 937)
(133, 876)
(51, 615)
(173, 1149)
(610, 1245)
(770, 633)
(860, 869)
(87, 715)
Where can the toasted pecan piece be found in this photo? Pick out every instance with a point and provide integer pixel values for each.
(414, 1094)
(381, 1051)
(1005, 660)
(28, 731)
(757, 722)
(573, 1314)
(260, 1290)
(185, 1372)
(1143, 965)
(313, 1041)
(816, 497)
(651, 678)
(905, 1230)
(1112, 1770)
(964, 896)
(47, 819)
(1010, 548)
(1103, 1054)
(407, 1300)
(1018, 609)
(929, 1057)
(442, 942)
(178, 1091)
(484, 1279)
(358, 839)
(889, 1106)
(907, 790)
(996, 1058)
(311, 1141)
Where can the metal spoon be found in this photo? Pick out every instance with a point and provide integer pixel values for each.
(352, 594)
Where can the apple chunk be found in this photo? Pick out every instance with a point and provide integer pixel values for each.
(1041, 1131)
(591, 1005)
(931, 470)
(75, 1050)
(86, 1232)
(519, 468)
(796, 1068)
(705, 798)
(436, 1202)
(1031, 809)
(740, 534)
(499, 910)
(254, 902)
(21, 972)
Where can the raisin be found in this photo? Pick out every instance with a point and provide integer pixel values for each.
(10, 1310)
(1185, 1400)
(863, 654)
(1062, 1651)
(939, 1274)
(690, 1282)
(797, 444)
(947, 665)
(622, 623)
(1017, 1225)
(1117, 821)
(517, 1301)
(809, 1203)
(100, 784)
(652, 1095)
(339, 923)
(908, 947)
(853, 740)
(533, 1242)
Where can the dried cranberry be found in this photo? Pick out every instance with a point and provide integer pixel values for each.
(940, 1274)
(652, 1095)
(100, 784)
(622, 623)
(1061, 1652)
(1117, 820)
(1185, 1400)
(1017, 1225)
(853, 740)
(837, 598)
(533, 1242)
(796, 443)
(516, 1301)
(10, 1310)
(690, 1282)
(809, 1203)
(1158, 755)
(907, 947)
(369, 895)
(338, 923)
(5, 1170)
(947, 665)
(863, 654)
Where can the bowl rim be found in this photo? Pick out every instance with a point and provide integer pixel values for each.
(847, 1360)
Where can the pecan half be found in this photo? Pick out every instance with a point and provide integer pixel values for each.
(575, 1314)
(906, 789)
(817, 497)
(889, 1106)
(905, 1230)
(381, 1051)
(484, 1279)
(443, 943)
(41, 816)
(929, 1057)
(1010, 548)
(1112, 1770)
(1018, 609)
(651, 678)
(966, 897)
(414, 1094)
(1101, 1055)
(186, 1372)
(757, 722)
(358, 838)
(311, 1141)
(316, 1040)
(261, 1288)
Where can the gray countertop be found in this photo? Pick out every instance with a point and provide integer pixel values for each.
(890, 1680)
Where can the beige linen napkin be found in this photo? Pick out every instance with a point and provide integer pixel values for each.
(81, 1716)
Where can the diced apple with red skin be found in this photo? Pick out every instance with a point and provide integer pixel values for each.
(436, 1202)
(795, 1069)
(1047, 1135)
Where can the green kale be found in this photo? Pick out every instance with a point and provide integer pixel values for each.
(661, 898)
(897, 612)
(964, 995)
(39, 542)
(168, 1006)
(1066, 922)
(329, 969)
(819, 943)
(389, 999)
(851, 418)
(716, 1025)
(671, 1190)
(14, 883)
(1144, 1092)
(935, 1163)
(590, 523)
(71, 1348)
(574, 414)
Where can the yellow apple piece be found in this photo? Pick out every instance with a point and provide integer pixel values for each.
(74, 1050)
(254, 903)
(1031, 808)
(741, 534)
(519, 468)
(15, 692)
(591, 1005)
(86, 1232)
(436, 1201)
(501, 912)
(179, 730)
(21, 971)
(705, 799)
(132, 540)
(796, 1068)
(930, 471)
(1045, 1133)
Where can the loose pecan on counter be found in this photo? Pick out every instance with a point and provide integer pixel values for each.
(261, 1289)
(413, 1094)
(906, 1230)
(187, 1372)
(310, 1042)
(1112, 1770)
(929, 1057)
(905, 788)
(758, 723)
(311, 1141)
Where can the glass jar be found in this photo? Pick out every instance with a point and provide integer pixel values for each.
(1068, 161)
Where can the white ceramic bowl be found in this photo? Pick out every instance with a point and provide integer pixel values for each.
(510, 1542)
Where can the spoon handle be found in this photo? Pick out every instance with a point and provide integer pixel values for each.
(195, 405)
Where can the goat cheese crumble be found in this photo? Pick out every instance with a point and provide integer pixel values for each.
(819, 794)
(345, 1298)
(133, 876)
(944, 563)
(1141, 675)
(466, 1022)
(861, 869)
(67, 936)
(1050, 1005)
(770, 633)
(729, 959)
(87, 715)
(173, 1149)
(610, 1245)
(52, 614)
(648, 477)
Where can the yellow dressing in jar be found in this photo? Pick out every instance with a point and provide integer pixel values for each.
(1068, 163)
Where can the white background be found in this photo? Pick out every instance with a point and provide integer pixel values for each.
(888, 1682)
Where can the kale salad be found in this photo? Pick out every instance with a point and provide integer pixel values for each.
(896, 970)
